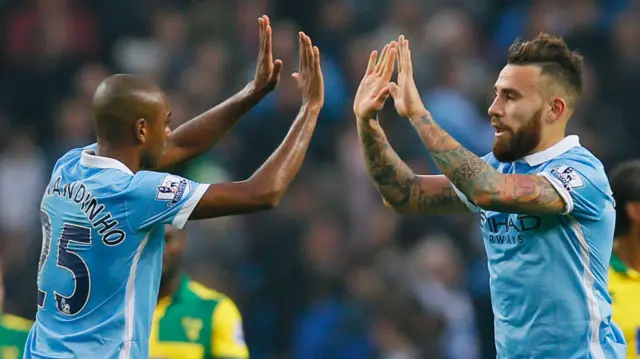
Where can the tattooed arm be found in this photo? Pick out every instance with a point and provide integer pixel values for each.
(401, 189)
(476, 179)
(480, 182)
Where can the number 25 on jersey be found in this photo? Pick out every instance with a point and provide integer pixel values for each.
(71, 236)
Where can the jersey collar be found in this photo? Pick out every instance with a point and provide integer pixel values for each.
(90, 159)
(552, 152)
(183, 288)
(619, 267)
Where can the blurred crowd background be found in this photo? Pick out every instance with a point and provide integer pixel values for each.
(331, 273)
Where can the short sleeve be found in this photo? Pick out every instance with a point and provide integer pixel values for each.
(228, 336)
(583, 188)
(160, 198)
(472, 206)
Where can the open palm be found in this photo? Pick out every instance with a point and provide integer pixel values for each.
(268, 71)
(374, 87)
(405, 93)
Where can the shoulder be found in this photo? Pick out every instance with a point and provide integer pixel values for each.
(15, 323)
(616, 280)
(204, 293)
(224, 309)
(577, 167)
(490, 159)
(164, 187)
(76, 153)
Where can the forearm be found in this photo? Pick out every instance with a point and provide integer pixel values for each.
(281, 167)
(200, 134)
(470, 174)
(392, 177)
(401, 189)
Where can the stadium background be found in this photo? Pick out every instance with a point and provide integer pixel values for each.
(331, 273)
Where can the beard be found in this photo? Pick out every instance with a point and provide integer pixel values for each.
(512, 146)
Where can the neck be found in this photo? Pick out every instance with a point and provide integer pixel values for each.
(627, 248)
(549, 141)
(169, 284)
(127, 155)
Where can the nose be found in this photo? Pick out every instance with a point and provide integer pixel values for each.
(497, 108)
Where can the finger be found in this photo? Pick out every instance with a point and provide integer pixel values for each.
(268, 44)
(383, 95)
(389, 64)
(267, 21)
(393, 90)
(261, 32)
(316, 55)
(384, 61)
(400, 53)
(372, 62)
(300, 50)
(408, 65)
(277, 68)
(308, 49)
(296, 76)
(381, 58)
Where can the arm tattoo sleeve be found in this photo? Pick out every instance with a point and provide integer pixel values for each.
(479, 181)
(396, 182)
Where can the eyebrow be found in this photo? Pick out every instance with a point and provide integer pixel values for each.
(507, 91)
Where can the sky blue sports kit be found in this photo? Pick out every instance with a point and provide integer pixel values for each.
(101, 259)
(548, 273)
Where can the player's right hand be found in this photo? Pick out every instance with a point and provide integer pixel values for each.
(374, 87)
(267, 73)
(309, 75)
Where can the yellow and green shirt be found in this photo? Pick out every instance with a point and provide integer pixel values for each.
(197, 323)
(13, 336)
(624, 287)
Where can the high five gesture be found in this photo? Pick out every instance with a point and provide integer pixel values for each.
(309, 77)
(267, 70)
(374, 87)
(405, 93)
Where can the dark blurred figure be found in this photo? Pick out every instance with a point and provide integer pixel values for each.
(210, 320)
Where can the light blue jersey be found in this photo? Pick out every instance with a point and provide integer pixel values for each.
(101, 261)
(549, 272)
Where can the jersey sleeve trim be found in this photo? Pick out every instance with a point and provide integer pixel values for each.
(185, 212)
(562, 192)
(472, 206)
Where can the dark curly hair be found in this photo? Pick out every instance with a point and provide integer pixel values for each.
(554, 57)
(625, 184)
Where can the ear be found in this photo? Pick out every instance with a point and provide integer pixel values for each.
(140, 130)
(558, 107)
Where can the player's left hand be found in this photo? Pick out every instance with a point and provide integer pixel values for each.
(373, 90)
(267, 70)
(405, 93)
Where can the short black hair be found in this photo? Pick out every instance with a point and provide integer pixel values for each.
(554, 57)
(118, 101)
(625, 184)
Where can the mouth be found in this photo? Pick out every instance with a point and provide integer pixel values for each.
(499, 131)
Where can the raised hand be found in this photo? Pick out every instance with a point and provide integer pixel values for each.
(405, 93)
(374, 87)
(309, 75)
(267, 71)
